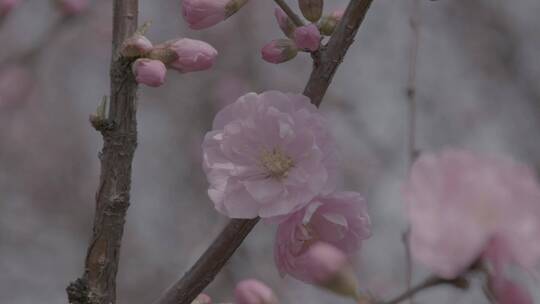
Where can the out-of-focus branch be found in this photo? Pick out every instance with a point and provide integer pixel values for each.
(412, 152)
(459, 282)
(330, 56)
(119, 130)
(210, 263)
(287, 9)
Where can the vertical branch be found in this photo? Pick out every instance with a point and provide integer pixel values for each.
(326, 62)
(119, 130)
(414, 22)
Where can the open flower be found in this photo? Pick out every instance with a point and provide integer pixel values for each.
(268, 155)
(463, 206)
(339, 219)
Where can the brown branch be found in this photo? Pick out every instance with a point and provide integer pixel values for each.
(210, 263)
(459, 282)
(98, 283)
(287, 9)
(327, 60)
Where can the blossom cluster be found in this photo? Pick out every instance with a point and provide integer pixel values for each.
(183, 55)
(271, 155)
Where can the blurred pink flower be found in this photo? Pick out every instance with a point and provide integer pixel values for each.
(463, 205)
(279, 50)
(15, 84)
(285, 23)
(6, 6)
(191, 55)
(252, 291)
(73, 7)
(149, 72)
(202, 299)
(340, 219)
(200, 14)
(268, 155)
(508, 292)
(307, 37)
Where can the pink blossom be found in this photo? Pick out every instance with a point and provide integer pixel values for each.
(6, 6)
(279, 50)
(285, 23)
(307, 37)
(73, 7)
(508, 292)
(463, 206)
(149, 72)
(268, 155)
(252, 291)
(15, 84)
(191, 55)
(340, 219)
(202, 299)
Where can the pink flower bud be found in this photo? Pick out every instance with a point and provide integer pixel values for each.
(307, 37)
(72, 7)
(327, 267)
(186, 55)
(201, 14)
(252, 291)
(328, 23)
(279, 50)
(202, 299)
(285, 23)
(311, 9)
(6, 6)
(135, 46)
(149, 72)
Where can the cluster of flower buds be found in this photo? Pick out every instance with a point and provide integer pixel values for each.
(151, 62)
(201, 14)
(6, 6)
(300, 37)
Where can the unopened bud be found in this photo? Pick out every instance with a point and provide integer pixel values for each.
(136, 46)
(185, 55)
(279, 50)
(149, 72)
(311, 9)
(307, 37)
(328, 268)
(285, 23)
(202, 299)
(328, 23)
(201, 14)
(252, 291)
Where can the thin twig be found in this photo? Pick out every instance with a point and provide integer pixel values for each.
(430, 282)
(414, 22)
(98, 283)
(219, 252)
(287, 9)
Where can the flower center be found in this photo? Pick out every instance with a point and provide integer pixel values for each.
(276, 163)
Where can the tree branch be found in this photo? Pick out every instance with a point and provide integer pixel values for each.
(98, 283)
(325, 65)
(287, 9)
(459, 282)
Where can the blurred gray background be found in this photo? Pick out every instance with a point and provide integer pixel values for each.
(478, 87)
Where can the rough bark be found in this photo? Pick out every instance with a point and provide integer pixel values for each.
(119, 130)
